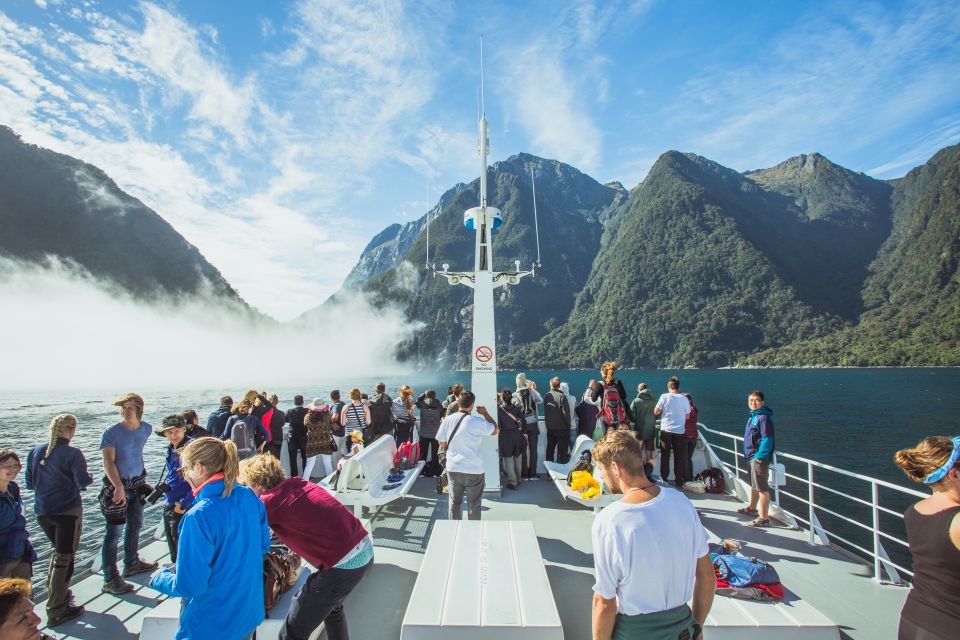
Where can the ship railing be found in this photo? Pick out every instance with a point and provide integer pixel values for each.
(819, 534)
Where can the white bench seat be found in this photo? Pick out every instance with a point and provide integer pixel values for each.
(792, 619)
(480, 580)
(363, 477)
(558, 473)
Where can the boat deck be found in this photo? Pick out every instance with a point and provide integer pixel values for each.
(834, 583)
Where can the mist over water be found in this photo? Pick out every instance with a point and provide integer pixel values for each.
(63, 329)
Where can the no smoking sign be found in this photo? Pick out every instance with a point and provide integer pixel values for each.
(483, 354)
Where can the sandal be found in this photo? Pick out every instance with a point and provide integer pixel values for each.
(759, 522)
(747, 511)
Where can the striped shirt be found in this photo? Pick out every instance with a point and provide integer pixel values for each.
(355, 418)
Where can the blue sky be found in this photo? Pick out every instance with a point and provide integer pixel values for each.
(278, 137)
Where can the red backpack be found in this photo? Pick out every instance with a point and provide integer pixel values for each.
(407, 456)
(612, 408)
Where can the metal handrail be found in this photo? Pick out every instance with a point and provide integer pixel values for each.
(881, 561)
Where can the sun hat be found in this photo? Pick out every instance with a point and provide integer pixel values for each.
(173, 421)
(317, 405)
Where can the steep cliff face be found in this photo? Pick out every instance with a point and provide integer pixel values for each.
(57, 206)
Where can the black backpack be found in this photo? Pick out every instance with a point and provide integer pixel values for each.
(381, 415)
(527, 403)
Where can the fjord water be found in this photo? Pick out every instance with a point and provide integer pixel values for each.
(849, 418)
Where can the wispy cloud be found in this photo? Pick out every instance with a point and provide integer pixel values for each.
(832, 83)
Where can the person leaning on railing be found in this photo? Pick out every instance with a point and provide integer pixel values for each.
(932, 609)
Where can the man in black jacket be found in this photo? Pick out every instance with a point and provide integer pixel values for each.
(297, 438)
(217, 421)
(381, 415)
(556, 417)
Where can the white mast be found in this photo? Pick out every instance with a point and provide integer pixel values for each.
(483, 220)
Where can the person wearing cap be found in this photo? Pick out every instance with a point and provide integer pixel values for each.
(316, 427)
(179, 496)
(122, 449)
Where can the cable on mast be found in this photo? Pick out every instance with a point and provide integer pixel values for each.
(427, 263)
(536, 226)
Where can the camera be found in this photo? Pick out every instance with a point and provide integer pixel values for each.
(157, 492)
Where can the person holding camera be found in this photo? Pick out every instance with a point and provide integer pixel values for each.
(178, 496)
(124, 493)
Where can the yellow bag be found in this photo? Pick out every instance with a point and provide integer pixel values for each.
(592, 492)
(580, 480)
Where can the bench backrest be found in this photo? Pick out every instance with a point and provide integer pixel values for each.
(368, 467)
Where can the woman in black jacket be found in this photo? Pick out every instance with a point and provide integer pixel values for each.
(512, 439)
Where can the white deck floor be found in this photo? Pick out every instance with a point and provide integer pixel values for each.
(831, 582)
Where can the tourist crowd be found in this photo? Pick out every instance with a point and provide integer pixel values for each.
(224, 492)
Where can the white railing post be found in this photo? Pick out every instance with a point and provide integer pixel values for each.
(874, 501)
(776, 487)
(736, 461)
(812, 516)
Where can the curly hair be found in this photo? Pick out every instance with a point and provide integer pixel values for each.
(263, 471)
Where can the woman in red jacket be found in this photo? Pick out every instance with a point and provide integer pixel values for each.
(323, 532)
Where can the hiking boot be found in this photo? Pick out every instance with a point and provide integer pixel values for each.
(116, 585)
(69, 612)
(139, 567)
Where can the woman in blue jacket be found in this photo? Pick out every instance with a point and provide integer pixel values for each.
(179, 496)
(219, 571)
(57, 473)
(16, 553)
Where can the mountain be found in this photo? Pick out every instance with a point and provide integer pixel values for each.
(911, 298)
(572, 209)
(55, 205)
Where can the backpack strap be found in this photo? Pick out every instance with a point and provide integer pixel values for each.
(456, 428)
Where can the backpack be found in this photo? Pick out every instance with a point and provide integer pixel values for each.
(407, 456)
(527, 403)
(613, 411)
(242, 437)
(381, 415)
(712, 479)
(585, 463)
(281, 568)
(741, 571)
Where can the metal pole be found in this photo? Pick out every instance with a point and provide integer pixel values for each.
(811, 516)
(875, 500)
(776, 487)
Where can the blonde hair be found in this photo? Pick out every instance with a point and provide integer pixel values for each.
(58, 429)
(251, 395)
(406, 392)
(262, 470)
(355, 394)
(623, 448)
(218, 456)
(920, 461)
(607, 369)
(127, 397)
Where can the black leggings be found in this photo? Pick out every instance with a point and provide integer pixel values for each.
(62, 531)
(171, 527)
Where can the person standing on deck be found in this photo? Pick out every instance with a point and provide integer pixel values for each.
(758, 445)
(192, 421)
(431, 414)
(217, 421)
(122, 449)
(644, 419)
(341, 548)
(527, 398)
(461, 435)
(587, 412)
(512, 439)
(336, 406)
(380, 408)
(297, 438)
(403, 418)
(353, 417)
(932, 609)
(179, 497)
(673, 410)
(275, 426)
(557, 418)
(219, 571)
(16, 552)
(690, 435)
(57, 473)
(572, 400)
(651, 532)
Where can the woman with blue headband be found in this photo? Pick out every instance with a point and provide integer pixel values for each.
(932, 609)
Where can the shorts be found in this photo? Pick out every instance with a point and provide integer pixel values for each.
(759, 470)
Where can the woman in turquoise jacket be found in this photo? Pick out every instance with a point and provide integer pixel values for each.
(219, 571)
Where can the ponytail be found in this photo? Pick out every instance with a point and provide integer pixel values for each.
(218, 456)
(58, 429)
(920, 461)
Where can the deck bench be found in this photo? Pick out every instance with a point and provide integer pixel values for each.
(792, 619)
(479, 580)
(558, 474)
(363, 477)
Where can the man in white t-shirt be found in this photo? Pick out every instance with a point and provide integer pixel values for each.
(462, 434)
(673, 410)
(649, 552)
